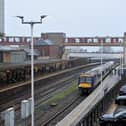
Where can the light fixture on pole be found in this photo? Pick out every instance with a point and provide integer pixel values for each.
(32, 23)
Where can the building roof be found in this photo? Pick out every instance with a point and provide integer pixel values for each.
(9, 48)
(42, 42)
(35, 53)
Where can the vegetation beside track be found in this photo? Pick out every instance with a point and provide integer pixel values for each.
(63, 94)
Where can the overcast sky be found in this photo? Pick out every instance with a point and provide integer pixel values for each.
(74, 17)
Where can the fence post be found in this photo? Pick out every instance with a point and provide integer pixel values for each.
(24, 111)
(9, 117)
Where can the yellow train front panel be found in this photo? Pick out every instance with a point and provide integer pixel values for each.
(84, 85)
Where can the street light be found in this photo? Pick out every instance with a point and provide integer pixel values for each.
(32, 23)
(101, 64)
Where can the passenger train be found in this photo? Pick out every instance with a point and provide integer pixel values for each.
(88, 81)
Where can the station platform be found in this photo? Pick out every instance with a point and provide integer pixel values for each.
(26, 63)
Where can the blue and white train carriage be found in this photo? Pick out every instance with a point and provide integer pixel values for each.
(89, 80)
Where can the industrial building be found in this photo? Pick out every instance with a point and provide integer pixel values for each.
(58, 38)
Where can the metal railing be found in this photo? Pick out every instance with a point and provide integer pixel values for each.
(92, 118)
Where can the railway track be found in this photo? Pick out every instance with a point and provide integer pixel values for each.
(56, 117)
(41, 84)
(44, 91)
(60, 114)
(41, 92)
(47, 78)
(46, 94)
(7, 101)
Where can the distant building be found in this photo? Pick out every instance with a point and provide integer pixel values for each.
(36, 53)
(46, 48)
(1, 18)
(11, 55)
(58, 38)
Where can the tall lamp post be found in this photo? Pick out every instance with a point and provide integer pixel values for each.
(101, 63)
(32, 23)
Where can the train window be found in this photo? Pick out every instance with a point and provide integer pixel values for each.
(82, 79)
(86, 79)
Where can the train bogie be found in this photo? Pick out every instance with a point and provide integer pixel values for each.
(82, 91)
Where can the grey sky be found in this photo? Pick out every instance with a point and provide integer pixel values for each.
(74, 17)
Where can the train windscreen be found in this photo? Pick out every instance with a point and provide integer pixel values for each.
(86, 79)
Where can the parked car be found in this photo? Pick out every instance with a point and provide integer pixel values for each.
(122, 90)
(120, 100)
(117, 118)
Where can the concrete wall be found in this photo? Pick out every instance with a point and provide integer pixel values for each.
(1, 17)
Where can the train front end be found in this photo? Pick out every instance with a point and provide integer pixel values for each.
(85, 83)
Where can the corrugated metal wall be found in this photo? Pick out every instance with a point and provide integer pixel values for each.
(1, 17)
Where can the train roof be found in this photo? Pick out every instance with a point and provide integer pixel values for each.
(97, 70)
(86, 74)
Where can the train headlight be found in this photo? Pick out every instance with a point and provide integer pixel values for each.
(85, 85)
